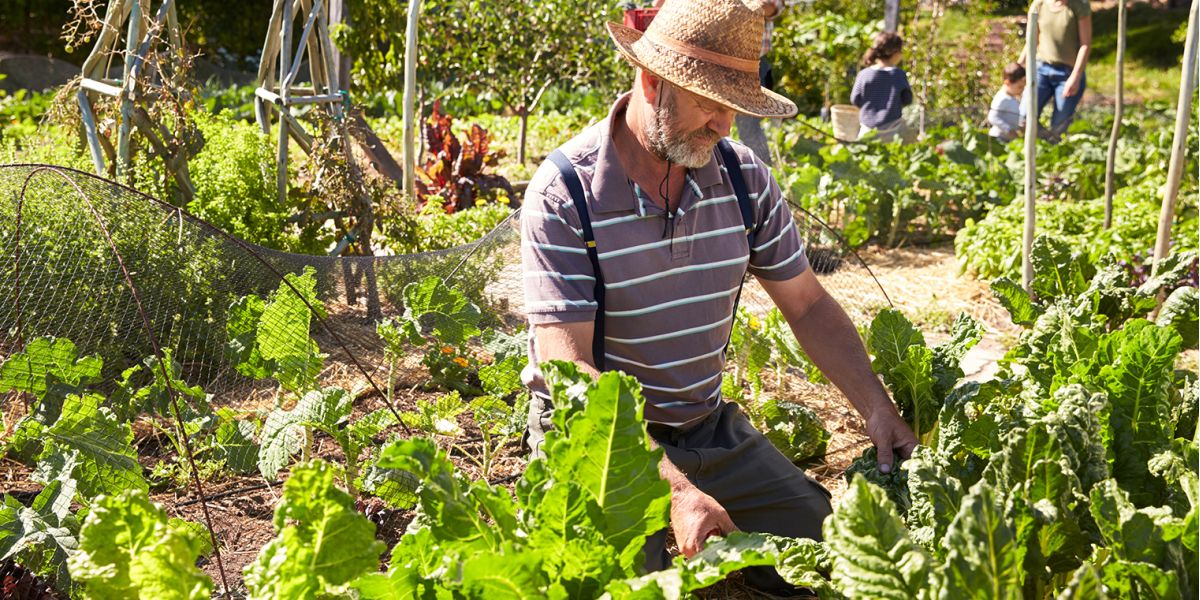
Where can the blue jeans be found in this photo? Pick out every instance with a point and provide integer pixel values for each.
(1052, 84)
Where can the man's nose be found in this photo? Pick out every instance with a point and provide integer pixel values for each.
(721, 123)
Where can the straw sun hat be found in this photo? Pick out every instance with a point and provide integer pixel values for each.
(710, 48)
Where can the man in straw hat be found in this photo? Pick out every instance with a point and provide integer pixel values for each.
(636, 236)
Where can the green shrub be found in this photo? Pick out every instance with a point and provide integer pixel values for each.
(234, 176)
(991, 247)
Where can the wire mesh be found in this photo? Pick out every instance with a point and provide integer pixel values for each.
(155, 294)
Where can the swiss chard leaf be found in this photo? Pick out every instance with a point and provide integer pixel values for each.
(46, 361)
(985, 557)
(1181, 312)
(719, 558)
(455, 511)
(1016, 301)
(271, 338)
(794, 429)
(1137, 382)
(607, 452)
(1085, 584)
(1171, 270)
(233, 442)
(936, 496)
(283, 332)
(50, 369)
(433, 308)
(1058, 272)
(43, 535)
(872, 554)
(283, 432)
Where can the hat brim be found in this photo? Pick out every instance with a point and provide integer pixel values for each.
(738, 90)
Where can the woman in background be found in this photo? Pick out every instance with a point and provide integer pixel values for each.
(881, 90)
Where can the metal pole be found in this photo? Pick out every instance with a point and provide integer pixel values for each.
(410, 99)
(1110, 166)
(1187, 87)
(1031, 127)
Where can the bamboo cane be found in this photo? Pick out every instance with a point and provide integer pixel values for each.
(89, 125)
(1187, 87)
(285, 59)
(1031, 125)
(1110, 165)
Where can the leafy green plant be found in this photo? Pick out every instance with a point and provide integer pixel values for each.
(1062, 475)
(128, 548)
(270, 338)
(234, 177)
(920, 377)
(502, 413)
(579, 520)
(794, 429)
(322, 542)
(441, 319)
(41, 536)
(437, 417)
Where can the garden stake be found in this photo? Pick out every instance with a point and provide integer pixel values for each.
(1110, 165)
(1183, 111)
(1031, 127)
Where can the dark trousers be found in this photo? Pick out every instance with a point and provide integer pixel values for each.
(727, 458)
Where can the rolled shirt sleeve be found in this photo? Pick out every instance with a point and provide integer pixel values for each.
(777, 252)
(558, 280)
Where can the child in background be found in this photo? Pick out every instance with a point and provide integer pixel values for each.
(1005, 113)
(881, 90)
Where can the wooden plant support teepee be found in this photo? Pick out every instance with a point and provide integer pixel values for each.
(140, 86)
(282, 59)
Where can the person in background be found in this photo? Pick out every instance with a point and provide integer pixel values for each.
(1005, 113)
(1063, 46)
(750, 131)
(881, 90)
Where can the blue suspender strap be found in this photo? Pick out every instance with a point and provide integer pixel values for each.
(734, 166)
(575, 188)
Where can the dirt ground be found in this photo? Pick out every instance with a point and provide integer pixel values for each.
(923, 282)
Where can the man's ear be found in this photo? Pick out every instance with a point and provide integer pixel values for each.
(651, 86)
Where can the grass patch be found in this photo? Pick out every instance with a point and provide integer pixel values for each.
(1153, 52)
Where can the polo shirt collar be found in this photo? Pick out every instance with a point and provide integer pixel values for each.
(611, 191)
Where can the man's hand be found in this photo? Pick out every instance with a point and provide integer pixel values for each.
(889, 433)
(1072, 86)
(695, 516)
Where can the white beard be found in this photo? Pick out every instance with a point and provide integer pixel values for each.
(692, 150)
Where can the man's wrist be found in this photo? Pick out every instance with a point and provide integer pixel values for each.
(675, 478)
(878, 404)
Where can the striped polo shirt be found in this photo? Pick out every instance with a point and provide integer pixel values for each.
(669, 295)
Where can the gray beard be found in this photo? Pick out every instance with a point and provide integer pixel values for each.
(692, 150)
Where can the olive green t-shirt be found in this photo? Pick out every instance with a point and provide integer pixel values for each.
(1058, 30)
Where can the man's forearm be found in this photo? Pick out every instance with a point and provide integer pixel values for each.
(831, 341)
(668, 470)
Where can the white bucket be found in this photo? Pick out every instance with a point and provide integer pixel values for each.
(845, 122)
